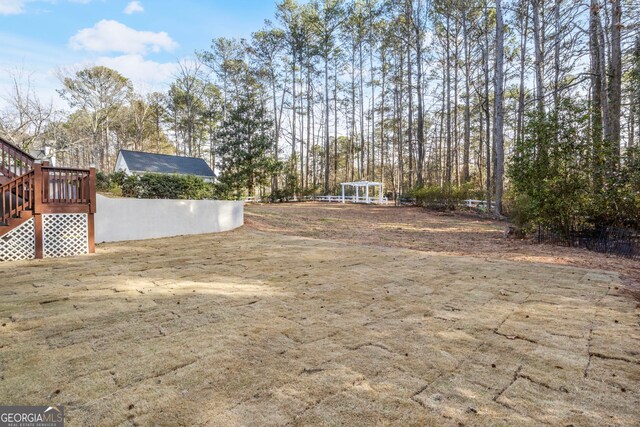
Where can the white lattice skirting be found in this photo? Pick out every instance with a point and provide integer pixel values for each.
(19, 243)
(65, 235)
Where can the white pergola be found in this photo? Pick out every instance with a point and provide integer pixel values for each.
(358, 185)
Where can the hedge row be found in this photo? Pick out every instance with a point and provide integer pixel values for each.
(155, 186)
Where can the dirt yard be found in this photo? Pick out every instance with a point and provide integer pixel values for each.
(326, 315)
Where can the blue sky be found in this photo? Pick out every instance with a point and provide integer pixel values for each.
(142, 39)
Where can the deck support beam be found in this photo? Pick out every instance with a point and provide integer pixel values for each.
(39, 236)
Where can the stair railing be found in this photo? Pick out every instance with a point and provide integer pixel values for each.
(16, 196)
(13, 161)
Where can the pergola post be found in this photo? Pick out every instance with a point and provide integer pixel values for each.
(342, 192)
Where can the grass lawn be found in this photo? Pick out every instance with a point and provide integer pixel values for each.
(318, 314)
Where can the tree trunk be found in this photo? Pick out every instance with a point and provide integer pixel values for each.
(524, 22)
(487, 128)
(615, 83)
(410, 114)
(382, 115)
(399, 119)
(556, 58)
(498, 110)
(606, 112)
(309, 112)
(420, 162)
(372, 168)
(335, 123)
(448, 165)
(361, 93)
(276, 126)
(467, 109)
(456, 142)
(539, 58)
(303, 180)
(596, 96)
(353, 114)
(293, 112)
(326, 122)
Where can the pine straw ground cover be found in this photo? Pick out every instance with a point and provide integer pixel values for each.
(278, 324)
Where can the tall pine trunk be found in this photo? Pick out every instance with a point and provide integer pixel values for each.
(615, 83)
(467, 109)
(524, 23)
(539, 56)
(420, 160)
(498, 110)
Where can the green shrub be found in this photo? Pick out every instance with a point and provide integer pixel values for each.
(465, 192)
(157, 186)
(110, 183)
(519, 208)
(117, 178)
(103, 183)
(436, 197)
(431, 196)
(281, 195)
(550, 172)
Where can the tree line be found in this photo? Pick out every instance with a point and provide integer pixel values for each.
(513, 100)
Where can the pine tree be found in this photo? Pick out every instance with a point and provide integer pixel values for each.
(245, 148)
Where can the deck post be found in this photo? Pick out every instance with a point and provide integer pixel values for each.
(37, 209)
(92, 210)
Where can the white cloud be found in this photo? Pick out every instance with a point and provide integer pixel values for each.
(143, 73)
(17, 7)
(112, 36)
(133, 7)
(12, 7)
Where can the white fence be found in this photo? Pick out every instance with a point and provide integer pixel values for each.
(351, 199)
(120, 219)
(478, 204)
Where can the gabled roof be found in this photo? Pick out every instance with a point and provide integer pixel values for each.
(137, 161)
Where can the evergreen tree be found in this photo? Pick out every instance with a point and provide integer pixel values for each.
(245, 148)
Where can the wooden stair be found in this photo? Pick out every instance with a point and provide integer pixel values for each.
(15, 222)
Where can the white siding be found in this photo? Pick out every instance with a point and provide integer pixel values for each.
(121, 165)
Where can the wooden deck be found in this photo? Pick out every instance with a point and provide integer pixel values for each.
(30, 189)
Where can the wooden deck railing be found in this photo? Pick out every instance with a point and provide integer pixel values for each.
(47, 189)
(13, 161)
(64, 190)
(65, 186)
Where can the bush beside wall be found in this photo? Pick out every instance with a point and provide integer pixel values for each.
(155, 186)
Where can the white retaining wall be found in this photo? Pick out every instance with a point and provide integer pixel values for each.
(119, 219)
